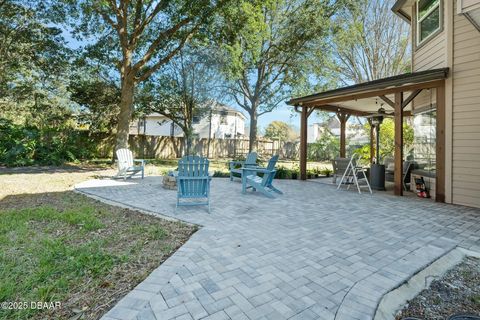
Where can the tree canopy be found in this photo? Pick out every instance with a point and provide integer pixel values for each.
(179, 58)
(367, 45)
(279, 130)
(269, 54)
(138, 38)
(185, 88)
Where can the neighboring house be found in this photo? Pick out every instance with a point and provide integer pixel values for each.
(442, 94)
(315, 130)
(226, 123)
(354, 132)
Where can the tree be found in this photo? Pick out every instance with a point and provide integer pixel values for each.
(33, 65)
(387, 139)
(325, 148)
(186, 88)
(138, 38)
(266, 56)
(370, 43)
(98, 99)
(279, 130)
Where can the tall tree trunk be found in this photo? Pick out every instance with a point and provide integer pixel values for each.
(188, 135)
(188, 150)
(126, 102)
(253, 130)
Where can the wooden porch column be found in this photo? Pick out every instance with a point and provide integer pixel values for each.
(343, 117)
(303, 143)
(440, 146)
(398, 174)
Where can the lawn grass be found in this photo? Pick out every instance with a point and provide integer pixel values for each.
(63, 246)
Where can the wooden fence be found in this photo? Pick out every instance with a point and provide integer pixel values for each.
(158, 147)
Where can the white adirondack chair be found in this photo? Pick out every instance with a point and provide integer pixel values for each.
(127, 167)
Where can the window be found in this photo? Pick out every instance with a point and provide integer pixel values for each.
(428, 19)
(424, 141)
(223, 117)
(195, 120)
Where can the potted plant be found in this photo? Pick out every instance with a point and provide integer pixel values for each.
(327, 172)
(295, 172)
(309, 174)
(281, 172)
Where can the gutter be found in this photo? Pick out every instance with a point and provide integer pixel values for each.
(385, 83)
(397, 9)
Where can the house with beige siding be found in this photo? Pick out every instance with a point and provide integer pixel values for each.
(441, 94)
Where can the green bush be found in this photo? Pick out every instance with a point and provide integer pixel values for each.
(17, 144)
(327, 147)
(26, 145)
(282, 173)
(221, 174)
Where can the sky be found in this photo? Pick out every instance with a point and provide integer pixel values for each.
(286, 114)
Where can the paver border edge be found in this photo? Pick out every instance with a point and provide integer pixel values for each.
(126, 206)
(395, 299)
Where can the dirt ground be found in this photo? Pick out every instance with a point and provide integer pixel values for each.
(31, 180)
(457, 292)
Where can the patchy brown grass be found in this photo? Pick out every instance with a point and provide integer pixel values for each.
(57, 245)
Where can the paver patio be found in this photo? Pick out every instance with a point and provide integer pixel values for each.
(313, 253)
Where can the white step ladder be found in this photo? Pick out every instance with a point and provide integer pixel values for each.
(351, 176)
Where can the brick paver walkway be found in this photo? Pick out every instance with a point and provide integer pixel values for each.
(313, 253)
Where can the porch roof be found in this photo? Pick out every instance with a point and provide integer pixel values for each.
(366, 98)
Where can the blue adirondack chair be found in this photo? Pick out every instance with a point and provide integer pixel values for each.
(236, 166)
(193, 182)
(263, 184)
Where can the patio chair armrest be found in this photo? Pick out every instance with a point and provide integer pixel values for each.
(258, 169)
(140, 160)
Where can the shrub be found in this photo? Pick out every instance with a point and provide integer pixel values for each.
(221, 174)
(17, 144)
(25, 145)
(325, 148)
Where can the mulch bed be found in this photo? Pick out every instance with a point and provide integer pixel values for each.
(457, 292)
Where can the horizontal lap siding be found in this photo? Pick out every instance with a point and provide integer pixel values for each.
(466, 113)
(469, 4)
(431, 55)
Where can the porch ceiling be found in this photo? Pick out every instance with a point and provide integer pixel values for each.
(367, 105)
(366, 98)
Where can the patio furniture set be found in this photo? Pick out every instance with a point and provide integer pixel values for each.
(193, 179)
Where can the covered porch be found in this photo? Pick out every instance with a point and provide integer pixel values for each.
(397, 94)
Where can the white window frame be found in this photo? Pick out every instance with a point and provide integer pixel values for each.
(419, 21)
